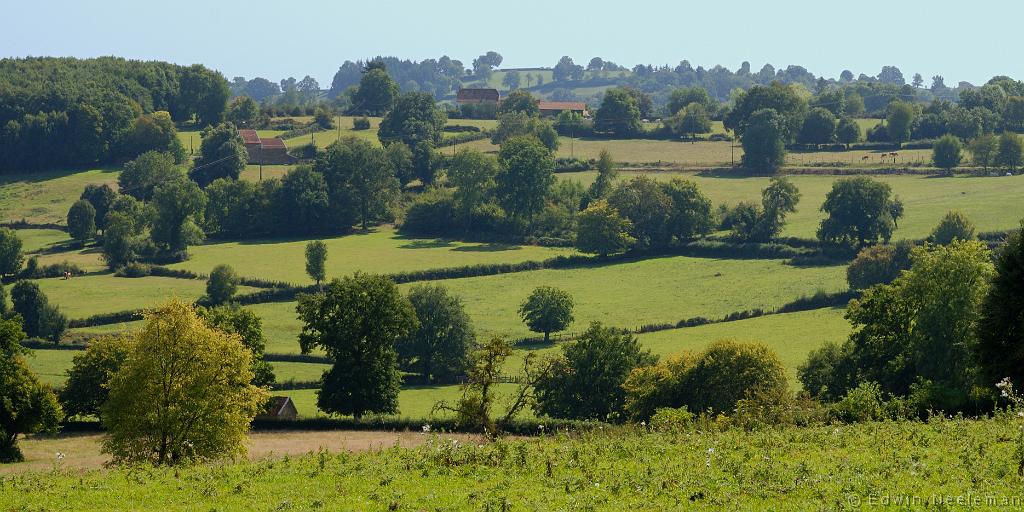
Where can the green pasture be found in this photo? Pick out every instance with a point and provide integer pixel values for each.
(299, 372)
(89, 259)
(33, 240)
(252, 172)
(46, 196)
(992, 203)
(629, 295)
(83, 296)
(791, 335)
(379, 251)
(413, 402)
(50, 365)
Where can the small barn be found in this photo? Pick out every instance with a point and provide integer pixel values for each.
(271, 151)
(473, 96)
(280, 408)
(553, 108)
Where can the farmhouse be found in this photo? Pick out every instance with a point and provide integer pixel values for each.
(473, 96)
(553, 108)
(280, 408)
(265, 151)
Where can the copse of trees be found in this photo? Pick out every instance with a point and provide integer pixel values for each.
(519, 124)
(753, 223)
(526, 176)
(662, 212)
(782, 99)
(64, 112)
(601, 230)
(619, 114)
(1000, 333)
(438, 349)
(415, 120)
(916, 337)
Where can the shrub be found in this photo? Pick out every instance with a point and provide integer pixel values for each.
(134, 269)
(671, 419)
(954, 226)
(827, 373)
(222, 285)
(431, 213)
(361, 123)
(728, 371)
(863, 403)
(878, 264)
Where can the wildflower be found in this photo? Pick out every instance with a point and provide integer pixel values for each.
(60, 456)
(1020, 414)
(426, 428)
(643, 423)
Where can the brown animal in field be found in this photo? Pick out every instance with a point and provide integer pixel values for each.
(865, 158)
(894, 156)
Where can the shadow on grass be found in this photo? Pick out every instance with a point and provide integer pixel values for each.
(489, 247)
(426, 243)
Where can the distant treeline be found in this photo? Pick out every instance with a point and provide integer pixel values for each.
(57, 112)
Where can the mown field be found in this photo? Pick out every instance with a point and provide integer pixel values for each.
(992, 203)
(381, 250)
(45, 197)
(943, 464)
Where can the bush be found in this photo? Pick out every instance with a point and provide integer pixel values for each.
(878, 264)
(134, 269)
(361, 123)
(863, 403)
(954, 226)
(827, 373)
(729, 371)
(431, 213)
(669, 419)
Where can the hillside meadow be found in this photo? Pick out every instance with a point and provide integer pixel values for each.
(905, 465)
(382, 250)
(992, 203)
(45, 197)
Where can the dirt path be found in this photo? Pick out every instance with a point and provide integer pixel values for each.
(82, 451)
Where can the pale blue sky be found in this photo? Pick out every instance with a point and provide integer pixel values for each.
(962, 41)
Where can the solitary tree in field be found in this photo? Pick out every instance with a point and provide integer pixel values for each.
(859, 211)
(357, 321)
(82, 221)
(222, 284)
(439, 348)
(11, 257)
(316, 260)
(27, 406)
(184, 392)
(947, 153)
(983, 150)
(547, 310)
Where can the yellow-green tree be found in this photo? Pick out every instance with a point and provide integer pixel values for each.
(184, 392)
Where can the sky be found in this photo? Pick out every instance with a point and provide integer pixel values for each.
(276, 39)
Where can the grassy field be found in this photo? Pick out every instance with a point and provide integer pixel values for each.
(379, 251)
(624, 295)
(252, 172)
(414, 402)
(50, 365)
(89, 259)
(944, 464)
(33, 240)
(84, 296)
(45, 197)
(791, 335)
(991, 203)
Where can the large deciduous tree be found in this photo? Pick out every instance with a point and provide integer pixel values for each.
(601, 230)
(183, 393)
(618, 115)
(438, 349)
(316, 261)
(764, 141)
(357, 321)
(178, 207)
(223, 155)
(376, 93)
(526, 176)
(358, 175)
(859, 212)
(1000, 348)
(11, 256)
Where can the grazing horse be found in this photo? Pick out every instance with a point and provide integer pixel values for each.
(865, 158)
(894, 156)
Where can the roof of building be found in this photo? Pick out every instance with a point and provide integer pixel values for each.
(278, 405)
(274, 143)
(562, 105)
(478, 94)
(249, 136)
